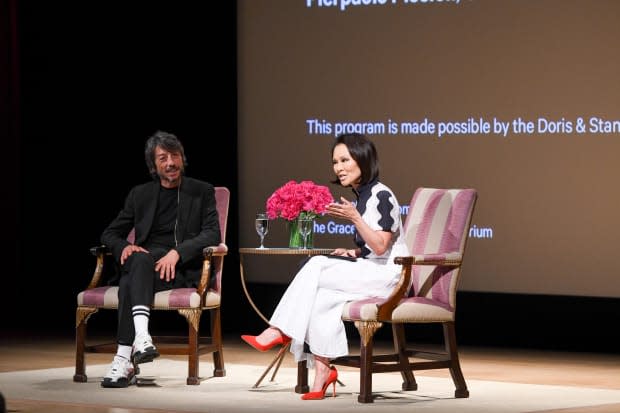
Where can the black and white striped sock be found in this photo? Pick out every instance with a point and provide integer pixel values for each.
(141, 314)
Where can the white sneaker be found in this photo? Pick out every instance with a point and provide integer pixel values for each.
(144, 350)
(120, 374)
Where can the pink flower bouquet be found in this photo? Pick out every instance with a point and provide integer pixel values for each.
(294, 199)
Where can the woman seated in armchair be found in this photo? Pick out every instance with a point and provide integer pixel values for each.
(309, 313)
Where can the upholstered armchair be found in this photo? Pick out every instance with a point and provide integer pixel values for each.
(436, 231)
(188, 302)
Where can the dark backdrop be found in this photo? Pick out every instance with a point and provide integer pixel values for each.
(94, 81)
(86, 85)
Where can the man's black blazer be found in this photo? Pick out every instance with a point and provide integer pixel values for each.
(198, 222)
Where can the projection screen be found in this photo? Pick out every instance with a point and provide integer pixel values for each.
(517, 99)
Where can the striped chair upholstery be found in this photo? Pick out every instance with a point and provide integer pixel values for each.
(107, 297)
(436, 230)
(189, 302)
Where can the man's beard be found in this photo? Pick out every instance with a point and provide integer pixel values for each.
(165, 177)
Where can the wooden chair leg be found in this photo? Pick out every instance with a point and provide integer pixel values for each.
(216, 339)
(400, 346)
(80, 368)
(81, 318)
(193, 322)
(302, 378)
(449, 333)
(367, 330)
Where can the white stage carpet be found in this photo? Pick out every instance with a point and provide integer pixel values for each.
(234, 393)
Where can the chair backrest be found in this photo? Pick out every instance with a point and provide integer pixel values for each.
(222, 200)
(437, 223)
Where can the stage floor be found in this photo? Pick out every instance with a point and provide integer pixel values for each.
(498, 365)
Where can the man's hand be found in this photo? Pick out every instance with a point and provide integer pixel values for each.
(130, 249)
(166, 265)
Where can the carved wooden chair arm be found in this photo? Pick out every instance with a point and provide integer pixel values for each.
(450, 259)
(100, 249)
(210, 254)
(99, 252)
(218, 250)
(384, 310)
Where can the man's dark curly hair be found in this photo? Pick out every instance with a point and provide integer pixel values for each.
(165, 140)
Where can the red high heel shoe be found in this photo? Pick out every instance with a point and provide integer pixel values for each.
(251, 340)
(319, 395)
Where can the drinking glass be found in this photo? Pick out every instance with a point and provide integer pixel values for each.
(262, 227)
(305, 225)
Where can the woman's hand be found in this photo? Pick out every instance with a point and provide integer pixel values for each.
(344, 210)
(377, 241)
(343, 252)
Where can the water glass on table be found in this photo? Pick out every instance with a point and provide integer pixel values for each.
(262, 226)
(306, 225)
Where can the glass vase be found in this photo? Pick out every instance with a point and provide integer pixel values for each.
(295, 239)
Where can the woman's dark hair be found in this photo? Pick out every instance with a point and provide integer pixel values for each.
(363, 151)
(165, 140)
